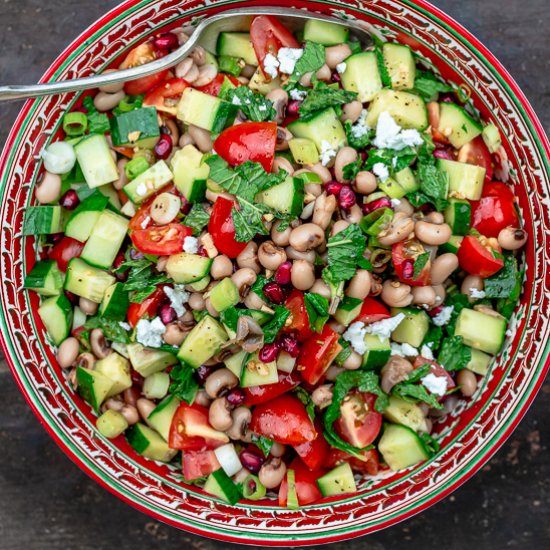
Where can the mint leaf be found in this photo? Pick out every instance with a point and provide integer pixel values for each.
(352, 169)
(275, 324)
(197, 219)
(340, 359)
(420, 263)
(416, 392)
(263, 443)
(433, 337)
(142, 280)
(345, 251)
(394, 160)
(433, 183)
(503, 283)
(98, 123)
(248, 220)
(426, 85)
(111, 329)
(312, 60)
(358, 135)
(323, 96)
(255, 107)
(317, 310)
(258, 287)
(184, 385)
(454, 355)
(230, 316)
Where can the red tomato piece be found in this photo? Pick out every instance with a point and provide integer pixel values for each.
(260, 394)
(317, 354)
(284, 419)
(197, 464)
(307, 490)
(314, 453)
(144, 53)
(145, 83)
(299, 322)
(214, 87)
(147, 307)
(478, 259)
(64, 251)
(495, 210)
(476, 152)
(404, 255)
(222, 229)
(359, 424)
(165, 95)
(372, 311)
(268, 34)
(161, 241)
(254, 141)
(369, 466)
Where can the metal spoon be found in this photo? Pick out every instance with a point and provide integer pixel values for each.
(206, 32)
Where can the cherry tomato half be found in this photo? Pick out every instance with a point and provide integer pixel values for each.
(359, 424)
(161, 241)
(260, 394)
(495, 210)
(404, 255)
(298, 319)
(148, 307)
(477, 259)
(64, 251)
(213, 88)
(372, 311)
(222, 229)
(317, 354)
(307, 490)
(476, 152)
(144, 53)
(165, 95)
(254, 141)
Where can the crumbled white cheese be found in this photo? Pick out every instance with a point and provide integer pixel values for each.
(355, 335)
(262, 107)
(360, 127)
(190, 245)
(426, 352)
(298, 95)
(177, 296)
(389, 135)
(443, 317)
(395, 202)
(435, 384)
(271, 64)
(124, 326)
(287, 59)
(236, 100)
(327, 152)
(145, 222)
(384, 328)
(149, 333)
(404, 350)
(141, 189)
(477, 294)
(380, 170)
(341, 67)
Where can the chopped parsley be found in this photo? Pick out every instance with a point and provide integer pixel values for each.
(255, 107)
(454, 355)
(197, 219)
(183, 386)
(323, 96)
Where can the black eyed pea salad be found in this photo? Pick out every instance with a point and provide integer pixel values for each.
(276, 265)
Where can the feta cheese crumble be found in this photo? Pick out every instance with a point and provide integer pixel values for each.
(395, 202)
(124, 326)
(360, 127)
(341, 67)
(271, 64)
(355, 335)
(389, 135)
(327, 152)
(287, 58)
(190, 245)
(380, 170)
(403, 350)
(477, 294)
(426, 352)
(443, 317)
(149, 332)
(141, 189)
(384, 328)
(298, 95)
(177, 296)
(435, 384)
(236, 100)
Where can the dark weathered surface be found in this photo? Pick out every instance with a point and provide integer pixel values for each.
(47, 503)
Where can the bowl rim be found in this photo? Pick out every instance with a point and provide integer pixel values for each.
(507, 427)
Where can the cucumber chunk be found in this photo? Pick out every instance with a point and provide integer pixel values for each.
(221, 485)
(413, 328)
(43, 220)
(117, 369)
(404, 412)
(93, 386)
(378, 352)
(86, 281)
(286, 197)
(338, 481)
(348, 310)
(190, 174)
(235, 363)
(491, 137)
(57, 315)
(147, 361)
(237, 44)
(318, 127)
(137, 128)
(111, 424)
(401, 447)
(465, 180)
(362, 76)
(148, 443)
(148, 182)
(258, 373)
(400, 65)
(479, 363)
(45, 278)
(458, 215)
(187, 268)
(115, 303)
(84, 217)
(324, 32)
(400, 184)
(408, 110)
(160, 419)
(95, 160)
(224, 295)
(205, 111)
(203, 342)
(292, 495)
(457, 125)
(156, 386)
(480, 330)
(303, 151)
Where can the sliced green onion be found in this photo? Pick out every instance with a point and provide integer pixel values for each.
(230, 65)
(75, 124)
(253, 488)
(129, 103)
(136, 167)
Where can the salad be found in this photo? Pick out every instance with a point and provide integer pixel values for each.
(277, 265)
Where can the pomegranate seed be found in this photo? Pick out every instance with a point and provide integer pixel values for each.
(70, 200)
(56, 237)
(164, 146)
(383, 202)
(251, 461)
(167, 313)
(203, 372)
(80, 109)
(137, 379)
(269, 352)
(333, 187)
(136, 254)
(71, 297)
(282, 275)
(443, 154)
(346, 197)
(436, 310)
(119, 260)
(185, 205)
(290, 345)
(166, 41)
(235, 397)
(292, 107)
(336, 77)
(408, 268)
(274, 292)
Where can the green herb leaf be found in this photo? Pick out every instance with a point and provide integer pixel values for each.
(263, 443)
(312, 60)
(394, 160)
(275, 324)
(345, 251)
(417, 374)
(340, 359)
(416, 392)
(433, 337)
(431, 446)
(184, 385)
(420, 263)
(249, 220)
(255, 107)
(230, 316)
(111, 329)
(352, 169)
(258, 287)
(317, 310)
(305, 398)
(382, 69)
(433, 183)
(503, 283)
(426, 85)
(454, 355)
(142, 281)
(323, 96)
(459, 302)
(98, 123)
(197, 219)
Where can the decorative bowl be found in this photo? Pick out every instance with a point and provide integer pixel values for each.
(469, 436)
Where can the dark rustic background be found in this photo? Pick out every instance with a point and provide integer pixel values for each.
(47, 503)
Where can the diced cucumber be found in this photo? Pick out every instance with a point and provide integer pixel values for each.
(348, 310)
(210, 59)
(401, 447)
(479, 363)
(452, 245)
(259, 84)
(408, 110)
(160, 419)
(43, 220)
(258, 373)
(236, 362)
(86, 281)
(93, 386)
(203, 342)
(378, 352)
(84, 217)
(79, 318)
(285, 362)
(201, 284)
(111, 424)
(148, 443)
(318, 127)
(465, 180)
(491, 137)
(117, 369)
(105, 240)
(404, 412)
(147, 361)
(220, 485)
(45, 278)
(156, 386)
(338, 481)
(111, 193)
(402, 183)
(303, 151)
(225, 294)
(129, 209)
(137, 128)
(148, 182)
(292, 495)
(231, 65)
(480, 330)
(190, 174)
(362, 76)
(57, 315)
(400, 65)
(413, 328)
(237, 44)
(324, 32)
(205, 111)
(115, 303)
(376, 222)
(457, 125)
(187, 268)
(458, 215)
(287, 197)
(95, 160)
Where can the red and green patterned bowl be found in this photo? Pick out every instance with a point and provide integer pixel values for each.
(469, 436)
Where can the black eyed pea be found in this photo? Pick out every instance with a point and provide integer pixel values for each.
(324, 73)
(280, 238)
(305, 79)
(322, 171)
(314, 189)
(172, 130)
(434, 217)
(85, 360)
(201, 137)
(354, 214)
(185, 139)
(219, 414)
(306, 237)
(99, 344)
(248, 71)
(87, 306)
(210, 308)
(324, 208)
(284, 164)
(220, 382)
(396, 294)
(471, 282)
(365, 182)
(423, 295)
(334, 55)
(404, 207)
(145, 407)
(174, 335)
(221, 267)
(244, 278)
(322, 396)
(293, 254)
(201, 398)
(270, 255)
(198, 55)
(353, 362)
(338, 226)
(49, 188)
(277, 449)
(207, 73)
(283, 137)
(105, 102)
(333, 372)
(511, 238)
(272, 473)
(352, 111)
(253, 301)
(336, 326)
(393, 372)
(111, 88)
(165, 208)
(122, 177)
(248, 258)
(320, 287)
(345, 156)
(130, 414)
(432, 233)
(400, 227)
(183, 67)
(467, 381)
(68, 352)
(241, 417)
(307, 211)
(279, 98)
(442, 267)
(302, 275)
(360, 284)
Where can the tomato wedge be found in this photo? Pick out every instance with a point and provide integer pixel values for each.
(260, 394)
(284, 419)
(213, 88)
(299, 323)
(495, 210)
(165, 95)
(369, 466)
(147, 307)
(478, 259)
(197, 464)
(268, 34)
(359, 424)
(307, 490)
(404, 255)
(161, 241)
(314, 453)
(317, 354)
(144, 53)
(222, 229)
(254, 141)
(476, 152)
(372, 311)
(64, 251)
